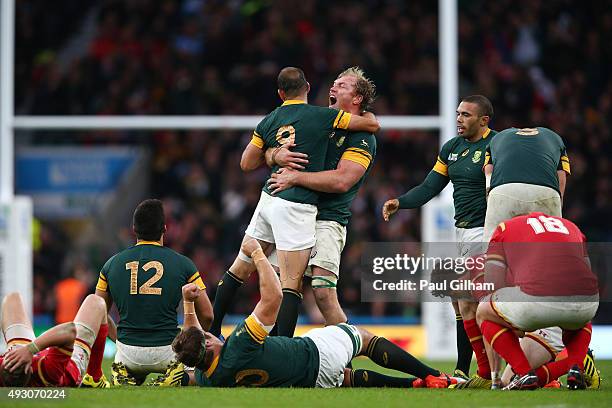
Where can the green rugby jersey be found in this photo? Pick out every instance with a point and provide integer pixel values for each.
(528, 155)
(358, 147)
(145, 283)
(461, 161)
(250, 358)
(309, 127)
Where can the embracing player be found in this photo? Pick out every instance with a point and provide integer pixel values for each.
(460, 162)
(145, 281)
(288, 219)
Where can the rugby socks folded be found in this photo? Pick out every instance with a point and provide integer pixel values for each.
(464, 349)
(388, 355)
(97, 353)
(477, 344)
(506, 344)
(368, 378)
(288, 313)
(226, 291)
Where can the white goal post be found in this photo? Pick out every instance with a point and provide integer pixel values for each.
(436, 316)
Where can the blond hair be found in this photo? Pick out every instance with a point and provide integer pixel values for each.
(364, 86)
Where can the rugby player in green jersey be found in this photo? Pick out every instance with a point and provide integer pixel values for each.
(349, 160)
(287, 220)
(460, 162)
(250, 357)
(526, 169)
(145, 281)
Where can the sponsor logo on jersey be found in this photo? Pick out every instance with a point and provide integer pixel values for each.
(465, 153)
(364, 143)
(340, 141)
(452, 157)
(477, 156)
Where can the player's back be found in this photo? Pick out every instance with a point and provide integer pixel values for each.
(309, 127)
(145, 283)
(545, 255)
(528, 155)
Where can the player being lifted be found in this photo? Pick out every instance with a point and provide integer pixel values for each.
(287, 219)
(250, 357)
(541, 265)
(67, 355)
(145, 281)
(460, 162)
(349, 160)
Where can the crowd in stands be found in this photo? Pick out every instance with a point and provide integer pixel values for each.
(541, 64)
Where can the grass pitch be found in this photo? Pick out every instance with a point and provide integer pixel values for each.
(194, 397)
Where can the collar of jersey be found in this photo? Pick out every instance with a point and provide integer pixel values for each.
(486, 133)
(292, 102)
(148, 243)
(212, 367)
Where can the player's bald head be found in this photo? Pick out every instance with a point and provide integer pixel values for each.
(292, 82)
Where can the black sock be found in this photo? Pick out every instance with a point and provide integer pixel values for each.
(388, 355)
(369, 378)
(288, 314)
(226, 290)
(464, 347)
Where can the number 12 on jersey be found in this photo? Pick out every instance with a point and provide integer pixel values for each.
(147, 287)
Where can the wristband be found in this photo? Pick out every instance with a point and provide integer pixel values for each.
(32, 348)
(258, 255)
(188, 307)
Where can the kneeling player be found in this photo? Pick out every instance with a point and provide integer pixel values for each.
(318, 359)
(67, 355)
(550, 283)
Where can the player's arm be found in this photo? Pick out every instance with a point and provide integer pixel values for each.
(102, 291)
(562, 171)
(204, 310)
(284, 157)
(252, 157)
(339, 180)
(365, 123)
(191, 292)
(488, 173)
(270, 291)
(416, 197)
(562, 176)
(62, 335)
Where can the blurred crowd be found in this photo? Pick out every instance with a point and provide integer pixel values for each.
(541, 63)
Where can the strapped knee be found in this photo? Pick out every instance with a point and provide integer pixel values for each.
(324, 282)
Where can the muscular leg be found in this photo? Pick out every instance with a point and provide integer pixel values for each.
(88, 322)
(229, 284)
(16, 325)
(292, 265)
(326, 297)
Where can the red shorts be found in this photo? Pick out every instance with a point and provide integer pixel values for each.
(53, 367)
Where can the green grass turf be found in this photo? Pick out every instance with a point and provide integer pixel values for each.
(194, 397)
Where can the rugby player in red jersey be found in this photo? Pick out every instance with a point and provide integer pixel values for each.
(541, 264)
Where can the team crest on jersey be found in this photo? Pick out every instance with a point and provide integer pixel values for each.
(364, 143)
(340, 141)
(452, 157)
(465, 153)
(477, 156)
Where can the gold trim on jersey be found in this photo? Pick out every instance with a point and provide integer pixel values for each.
(441, 167)
(102, 284)
(487, 158)
(486, 133)
(358, 156)
(293, 102)
(197, 279)
(257, 140)
(255, 330)
(40, 372)
(565, 164)
(342, 120)
(212, 367)
(148, 243)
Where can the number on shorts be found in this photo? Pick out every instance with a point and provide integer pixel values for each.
(550, 224)
(147, 287)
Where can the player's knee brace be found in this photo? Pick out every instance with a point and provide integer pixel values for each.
(85, 337)
(324, 282)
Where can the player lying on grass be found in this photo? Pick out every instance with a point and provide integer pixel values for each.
(547, 283)
(67, 355)
(249, 357)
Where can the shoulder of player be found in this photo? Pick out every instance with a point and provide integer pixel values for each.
(450, 146)
(362, 140)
